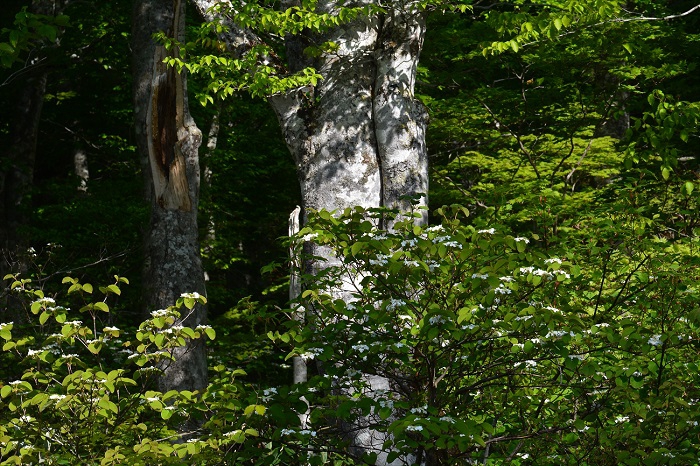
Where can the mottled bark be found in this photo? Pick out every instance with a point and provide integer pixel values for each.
(168, 143)
(358, 137)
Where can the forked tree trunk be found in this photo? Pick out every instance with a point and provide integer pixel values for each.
(168, 143)
(358, 137)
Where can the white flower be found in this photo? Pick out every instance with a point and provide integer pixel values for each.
(308, 432)
(655, 340)
(5, 324)
(482, 276)
(46, 301)
(409, 242)
(620, 419)
(489, 231)
(553, 260)
(453, 244)
(15, 382)
(436, 320)
(506, 279)
(435, 228)
(160, 313)
(361, 348)
(194, 295)
(56, 397)
(32, 352)
(381, 260)
(580, 357)
(395, 303)
(520, 239)
(309, 237)
(414, 428)
(74, 323)
(420, 410)
(447, 419)
(288, 431)
(386, 404)
(110, 329)
(502, 290)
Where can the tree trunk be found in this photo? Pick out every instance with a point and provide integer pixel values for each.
(358, 137)
(168, 143)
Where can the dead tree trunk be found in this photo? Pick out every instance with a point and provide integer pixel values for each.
(168, 142)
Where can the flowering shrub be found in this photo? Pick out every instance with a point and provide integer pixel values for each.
(457, 344)
(496, 353)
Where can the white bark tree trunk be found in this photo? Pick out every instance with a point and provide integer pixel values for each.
(168, 143)
(358, 137)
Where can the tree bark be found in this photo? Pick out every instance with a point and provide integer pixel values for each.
(168, 141)
(358, 137)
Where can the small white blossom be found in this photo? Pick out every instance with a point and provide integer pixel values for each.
(160, 313)
(482, 276)
(502, 290)
(288, 432)
(621, 419)
(553, 260)
(394, 304)
(489, 231)
(420, 410)
(520, 239)
(435, 228)
(409, 242)
(56, 397)
(361, 348)
(111, 329)
(453, 244)
(309, 237)
(74, 323)
(436, 320)
(194, 295)
(414, 428)
(655, 340)
(382, 259)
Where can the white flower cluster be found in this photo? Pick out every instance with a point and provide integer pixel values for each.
(414, 428)
(437, 320)
(361, 348)
(394, 304)
(311, 353)
(655, 340)
(194, 295)
(409, 242)
(482, 276)
(381, 260)
(489, 231)
(520, 239)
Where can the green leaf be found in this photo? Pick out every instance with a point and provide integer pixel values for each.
(665, 173)
(102, 306)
